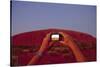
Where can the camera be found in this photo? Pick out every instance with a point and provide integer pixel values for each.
(55, 36)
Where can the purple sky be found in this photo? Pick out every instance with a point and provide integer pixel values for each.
(29, 16)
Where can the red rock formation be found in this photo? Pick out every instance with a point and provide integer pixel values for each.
(25, 46)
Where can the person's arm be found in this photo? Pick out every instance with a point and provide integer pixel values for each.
(76, 51)
(43, 47)
(68, 41)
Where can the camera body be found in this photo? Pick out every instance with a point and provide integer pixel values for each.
(55, 37)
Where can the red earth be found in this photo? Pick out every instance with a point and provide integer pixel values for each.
(25, 45)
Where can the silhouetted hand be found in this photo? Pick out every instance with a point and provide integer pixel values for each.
(67, 38)
(45, 43)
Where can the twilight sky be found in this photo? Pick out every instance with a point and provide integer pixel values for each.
(30, 16)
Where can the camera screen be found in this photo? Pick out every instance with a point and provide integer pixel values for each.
(55, 37)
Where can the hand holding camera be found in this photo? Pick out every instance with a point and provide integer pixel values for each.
(64, 39)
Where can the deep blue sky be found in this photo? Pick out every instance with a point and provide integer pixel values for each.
(29, 16)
